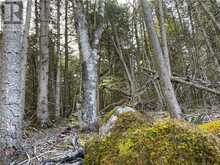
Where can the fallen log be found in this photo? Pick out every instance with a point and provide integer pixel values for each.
(188, 82)
(195, 85)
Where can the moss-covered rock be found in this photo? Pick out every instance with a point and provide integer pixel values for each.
(134, 142)
(111, 117)
(212, 127)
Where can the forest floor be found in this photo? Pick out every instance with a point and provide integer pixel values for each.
(46, 144)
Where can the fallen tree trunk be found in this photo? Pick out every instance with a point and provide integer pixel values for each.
(188, 82)
(198, 86)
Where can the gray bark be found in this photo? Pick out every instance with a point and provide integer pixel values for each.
(90, 58)
(65, 90)
(11, 112)
(58, 54)
(173, 105)
(42, 102)
(25, 47)
(163, 36)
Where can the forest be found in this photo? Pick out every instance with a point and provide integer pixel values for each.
(110, 82)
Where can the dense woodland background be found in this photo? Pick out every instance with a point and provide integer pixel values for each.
(79, 59)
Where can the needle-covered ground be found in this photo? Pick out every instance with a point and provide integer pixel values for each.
(134, 141)
(45, 144)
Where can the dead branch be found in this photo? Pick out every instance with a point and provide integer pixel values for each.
(188, 82)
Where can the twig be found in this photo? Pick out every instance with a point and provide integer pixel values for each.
(36, 157)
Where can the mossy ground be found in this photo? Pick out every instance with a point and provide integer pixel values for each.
(134, 142)
(212, 127)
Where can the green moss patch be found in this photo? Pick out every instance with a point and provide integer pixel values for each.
(132, 141)
(212, 127)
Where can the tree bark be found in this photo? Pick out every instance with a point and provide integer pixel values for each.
(164, 36)
(58, 54)
(173, 105)
(25, 47)
(90, 58)
(11, 109)
(66, 93)
(42, 102)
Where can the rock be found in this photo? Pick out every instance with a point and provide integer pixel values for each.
(113, 118)
(134, 141)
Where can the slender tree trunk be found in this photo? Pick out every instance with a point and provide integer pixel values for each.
(25, 47)
(208, 43)
(66, 93)
(118, 48)
(179, 15)
(36, 11)
(37, 30)
(164, 36)
(168, 90)
(11, 112)
(42, 102)
(89, 63)
(138, 58)
(211, 16)
(193, 37)
(58, 55)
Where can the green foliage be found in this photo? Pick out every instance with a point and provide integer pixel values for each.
(133, 141)
(118, 15)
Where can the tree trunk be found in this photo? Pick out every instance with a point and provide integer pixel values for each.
(168, 90)
(66, 93)
(118, 49)
(208, 43)
(211, 16)
(164, 36)
(11, 112)
(25, 47)
(58, 54)
(90, 58)
(42, 102)
(36, 11)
